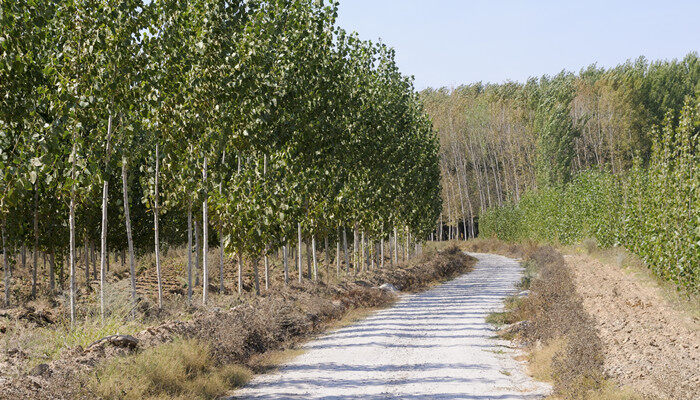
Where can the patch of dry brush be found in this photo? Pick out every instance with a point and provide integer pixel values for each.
(230, 335)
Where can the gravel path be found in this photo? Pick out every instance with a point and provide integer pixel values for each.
(432, 345)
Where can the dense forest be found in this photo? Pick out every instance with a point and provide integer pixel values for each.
(610, 154)
(260, 127)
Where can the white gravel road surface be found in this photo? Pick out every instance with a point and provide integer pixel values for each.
(431, 345)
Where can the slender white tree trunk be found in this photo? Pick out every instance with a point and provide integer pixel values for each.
(299, 249)
(36, 241)
(396, 245)
(205, 234)
(155, 227)
(285, 260)
(381, 245)
(363, 255)
(71, 256)
(355, 247)
(129, 237)
(5, 264)
(406, 249)
(221, 264)
(345, 249)
(313, 252)
(103, 246)
(337, 254)
(189, 253)
(267, 270)
(52, 276)
(240, 273)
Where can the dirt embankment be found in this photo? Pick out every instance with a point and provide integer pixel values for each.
(648, 345)
(269, 322)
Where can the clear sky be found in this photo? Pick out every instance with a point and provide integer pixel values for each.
(451, 42)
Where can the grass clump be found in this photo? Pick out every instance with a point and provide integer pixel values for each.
(180, 369)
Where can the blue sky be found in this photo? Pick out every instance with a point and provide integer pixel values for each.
(450, 42)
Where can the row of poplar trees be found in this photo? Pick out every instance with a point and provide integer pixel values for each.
(120, 120)
(500, 141)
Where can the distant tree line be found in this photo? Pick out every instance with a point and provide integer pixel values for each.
(603, 154)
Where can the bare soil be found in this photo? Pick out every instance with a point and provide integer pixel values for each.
(648, 344)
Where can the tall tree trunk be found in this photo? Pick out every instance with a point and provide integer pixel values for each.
(267, 270)
(86, 260)
(299, 250)
(381, 245)
(36, 241)
(221, 263)
(337, 253)
(155, 227)
(285, 261)
(189, 253)
(396, 247)
(52, 278)
(205, 236)
(71, 256)
(240, 272)
(326, 255)
(354, 249)
(363, 258)
(103, 245)
(129, 237)
(313, 253)
(5, 264)
(345, 250)
(406, 249)
(197, 252)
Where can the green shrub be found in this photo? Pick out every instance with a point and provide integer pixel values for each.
(654, 211)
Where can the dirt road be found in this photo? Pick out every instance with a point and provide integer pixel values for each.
(432, 345)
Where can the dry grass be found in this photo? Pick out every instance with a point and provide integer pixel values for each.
(183, 368)
(561, 338)
(540, 359)
(234, 328)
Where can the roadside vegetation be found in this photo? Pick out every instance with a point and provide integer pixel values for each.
(548, 319)
(237, 335)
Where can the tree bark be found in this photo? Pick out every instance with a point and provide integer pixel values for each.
(299, 250)
(313, 253)
(189, 253)
(205, 238)
(129, 237)
(337, 254)
(36, 241)
(345, 250)
(5, 264)
(52, 278)
(197, 252)
(71, 256)
(396, 247)
(285, 261)
(267, 270)
(103, 246)
(221, 263)
(240, 273)
(155, 227)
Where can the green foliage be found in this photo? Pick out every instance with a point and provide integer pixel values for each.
(654, 211)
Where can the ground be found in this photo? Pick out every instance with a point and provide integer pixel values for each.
(432, 345)
(649, 344)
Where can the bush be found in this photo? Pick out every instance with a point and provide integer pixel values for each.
(181, 368)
